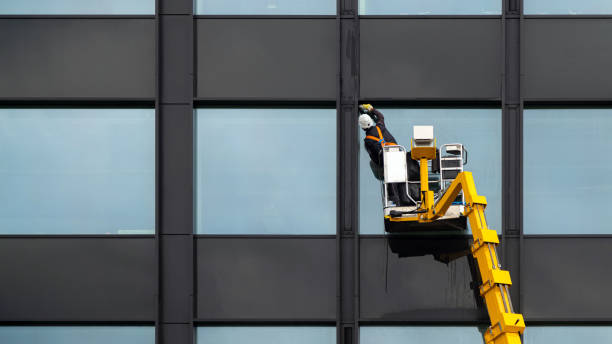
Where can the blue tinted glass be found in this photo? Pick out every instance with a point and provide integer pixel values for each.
(425, 7)
(419, 335)
(266, 335)
(568, 334)
(266, 171)
(77, 334)
(77, 171)
(478, 129)
(568, 7)
(266, 7)
(566, 171)
(77, 7)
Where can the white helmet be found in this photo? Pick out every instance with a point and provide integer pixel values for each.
(365, 121)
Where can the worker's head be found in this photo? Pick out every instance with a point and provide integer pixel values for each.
(365, 121)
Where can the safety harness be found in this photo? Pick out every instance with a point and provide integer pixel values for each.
(380, 139)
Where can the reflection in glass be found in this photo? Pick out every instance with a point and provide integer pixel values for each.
(77, 334)
(50, 7)
(568, 334)
(478, 129)
(429, 7)
(419, 334)
(266, 171)
(266, 334)
(566, 171)
(265, 7)
(567, 7)
(77, 171)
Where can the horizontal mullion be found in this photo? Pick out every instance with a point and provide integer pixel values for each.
(77, 16)
(567, 236)
(435, 103)
(265, 236)
(420, 322)
(72, 322)
(567, 16)
(567, 321)
(567, 103)
(430, 16)
(435, 236)
(264, 102)
(263, 16)
(77, 236)
(78, 102)
(264, 322)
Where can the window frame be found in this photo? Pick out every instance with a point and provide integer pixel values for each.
(153, 168)
(199, 227)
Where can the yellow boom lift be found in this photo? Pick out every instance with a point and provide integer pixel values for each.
(454, 200)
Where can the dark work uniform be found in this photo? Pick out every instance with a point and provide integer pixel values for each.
(374, 148)
(397, 192)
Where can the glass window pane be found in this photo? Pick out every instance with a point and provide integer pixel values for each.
(77, 171)
(566, 171)
(266, 334)
(77, 334)
(266, 171)
(429, 7)
(419, 334)
(77, 7)
(567, 334)
(266, 7)
(567, 7)
(478, 129)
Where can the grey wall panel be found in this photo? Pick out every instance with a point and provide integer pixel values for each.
(566, 278)
(567, 59)
(424, 280)
(267, 58)
(266, 278)
(77, 58)
(430, 58)
(77, 279)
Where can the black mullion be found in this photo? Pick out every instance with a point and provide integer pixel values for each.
(176, 243)
(347, 233)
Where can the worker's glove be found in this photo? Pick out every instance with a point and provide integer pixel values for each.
(365, 108)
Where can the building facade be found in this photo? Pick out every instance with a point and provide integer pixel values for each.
(179, 172)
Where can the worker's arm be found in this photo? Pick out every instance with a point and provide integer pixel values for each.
(380, 119)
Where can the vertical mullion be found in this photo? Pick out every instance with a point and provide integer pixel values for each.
(348, 174)
(511, 136)
(175, 90)
(157, 181)
(520, 8)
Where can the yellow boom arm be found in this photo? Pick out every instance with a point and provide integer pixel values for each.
(505, 324)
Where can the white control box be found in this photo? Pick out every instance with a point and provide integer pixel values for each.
(423, 135)
(395, 165)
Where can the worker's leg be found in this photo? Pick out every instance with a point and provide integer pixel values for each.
(414, 175)
(394, 193)
(403, 194)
